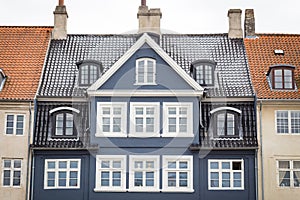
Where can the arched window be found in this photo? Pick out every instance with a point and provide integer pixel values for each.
(63, 125)
(225, 122)
(203, 72)
(89, 72)
(282, 77)
(145, 71)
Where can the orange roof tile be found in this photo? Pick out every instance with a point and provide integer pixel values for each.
(260, 53)
(22, 55)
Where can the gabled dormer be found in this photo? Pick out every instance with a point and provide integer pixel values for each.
(2, 79)
(88, 72)
(281, 77)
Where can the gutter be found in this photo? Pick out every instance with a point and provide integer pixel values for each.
(261, 152)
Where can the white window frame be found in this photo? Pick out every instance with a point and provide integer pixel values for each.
(15, 124)
(145, 80)
(12, 169)
(177, 170)
(231, 171)
(155, 170)
(289, 122)
(178, 105)
(110, 169)
(56, 171)
(291, 170)
(156, 115)
(123, 116)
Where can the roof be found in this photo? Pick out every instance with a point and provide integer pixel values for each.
(59, 78)
(261, 57)
(22, 55)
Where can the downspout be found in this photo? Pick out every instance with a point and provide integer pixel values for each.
(261, 152)
(28, 152)
(256, 153)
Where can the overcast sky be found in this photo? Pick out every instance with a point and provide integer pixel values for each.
(180, 16)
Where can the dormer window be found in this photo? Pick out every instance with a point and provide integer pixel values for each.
(145, 71)
(63, 122)
(225, 122)
(2, 79)
(203, 72)
(282, 77)
(89, 72)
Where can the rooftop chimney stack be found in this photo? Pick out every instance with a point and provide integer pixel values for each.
(60, 21)
(249, 23)
(149, 19)
(235, 27)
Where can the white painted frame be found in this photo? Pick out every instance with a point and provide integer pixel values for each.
(189, 170)
(144, 105)
(111, 158)
(166, 132)
(144, 158)
(289, 122)
(111, 105)
(11, 169)
(145, 82)
(57, 170)
(291, 170)
(15, 124)
(231, 171)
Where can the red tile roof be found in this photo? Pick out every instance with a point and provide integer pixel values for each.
(261, 56)
(22, 55)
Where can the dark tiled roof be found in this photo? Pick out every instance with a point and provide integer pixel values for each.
(22, 55)
(59, 78)
(233, 79)
(260, 51)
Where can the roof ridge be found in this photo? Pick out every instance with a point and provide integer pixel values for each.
(26, 26)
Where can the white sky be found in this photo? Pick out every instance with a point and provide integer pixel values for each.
(180, 16)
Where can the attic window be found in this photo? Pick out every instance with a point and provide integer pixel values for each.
(89, 72)
(282, 77)
(203, 72)
(279, 52)
(2, 79)
(145, 71)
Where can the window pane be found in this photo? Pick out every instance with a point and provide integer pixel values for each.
(284, 164)
(150, 164)
(138, 179)
(208, 75)
(225, 165)
(230, 124)
(138, 164)
(117, 164)
(172, 179)
(93, 74)
(20, 125)
(17, 163)
(17, 178)
(225, 179)
(172, 111)
(296, 178)
(183, 124)
(214, 165)
(172, 124)
(106, 111)
(84, 75)
(9, 124)
(296, 164)
(295, 121)
(105, 164)
(73, 164)
(51, 165)
(221, 124)
(284, 178)
(282, 122)
(6, 178)
(7, 163)
(237, 165)
(62, 164)
(288, 79)
(117, 124)
(183, 165)
(172, 165)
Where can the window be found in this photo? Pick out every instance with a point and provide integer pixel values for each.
(111, 173)
(64, 124)
(288, 173)
(89, 72)
(145, 71)
(178, 119)
(144, 173)
(14, 124)
(226, 174)
(62, 173)
(144, 119)
(111, 119)
(225, 122)
(2, 79)
(288, 122)
(203, 72)
(12, 169)
(282, 77)
(178, 173)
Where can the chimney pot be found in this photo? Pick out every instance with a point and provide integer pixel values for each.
(61, 2)
(143, 3)
(235, 27)
(249, 23)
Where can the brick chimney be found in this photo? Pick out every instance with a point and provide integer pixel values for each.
(149, 20)
(60, 21)
(249, 23)
(235, 27)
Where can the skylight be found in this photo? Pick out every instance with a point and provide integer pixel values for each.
(279, 52)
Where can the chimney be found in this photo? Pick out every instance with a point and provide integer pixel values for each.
(235, 27)
(249, 23)
(149, 20)
(60, 22)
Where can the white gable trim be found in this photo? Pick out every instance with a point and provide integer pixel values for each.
(145, 39)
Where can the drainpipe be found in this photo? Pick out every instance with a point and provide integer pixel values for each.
(28, 153)
(261, 152)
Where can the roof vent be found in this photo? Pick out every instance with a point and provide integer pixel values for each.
(279, 52)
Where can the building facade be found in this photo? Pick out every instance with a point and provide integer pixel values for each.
(147, 115)
(22, 54)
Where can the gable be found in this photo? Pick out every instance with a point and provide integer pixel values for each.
(169, 76)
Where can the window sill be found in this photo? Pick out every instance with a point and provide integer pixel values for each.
(178, 190)
(62, 188)
(110, 135)
(231, 189)
(144, 135)
(228, 138)
(141, 84)
(143, 190)
(109, 190)
(183, 135)
(63, 139)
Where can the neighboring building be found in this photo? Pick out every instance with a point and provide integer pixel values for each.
(145, 116)
(274, 61)
(22, 54)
